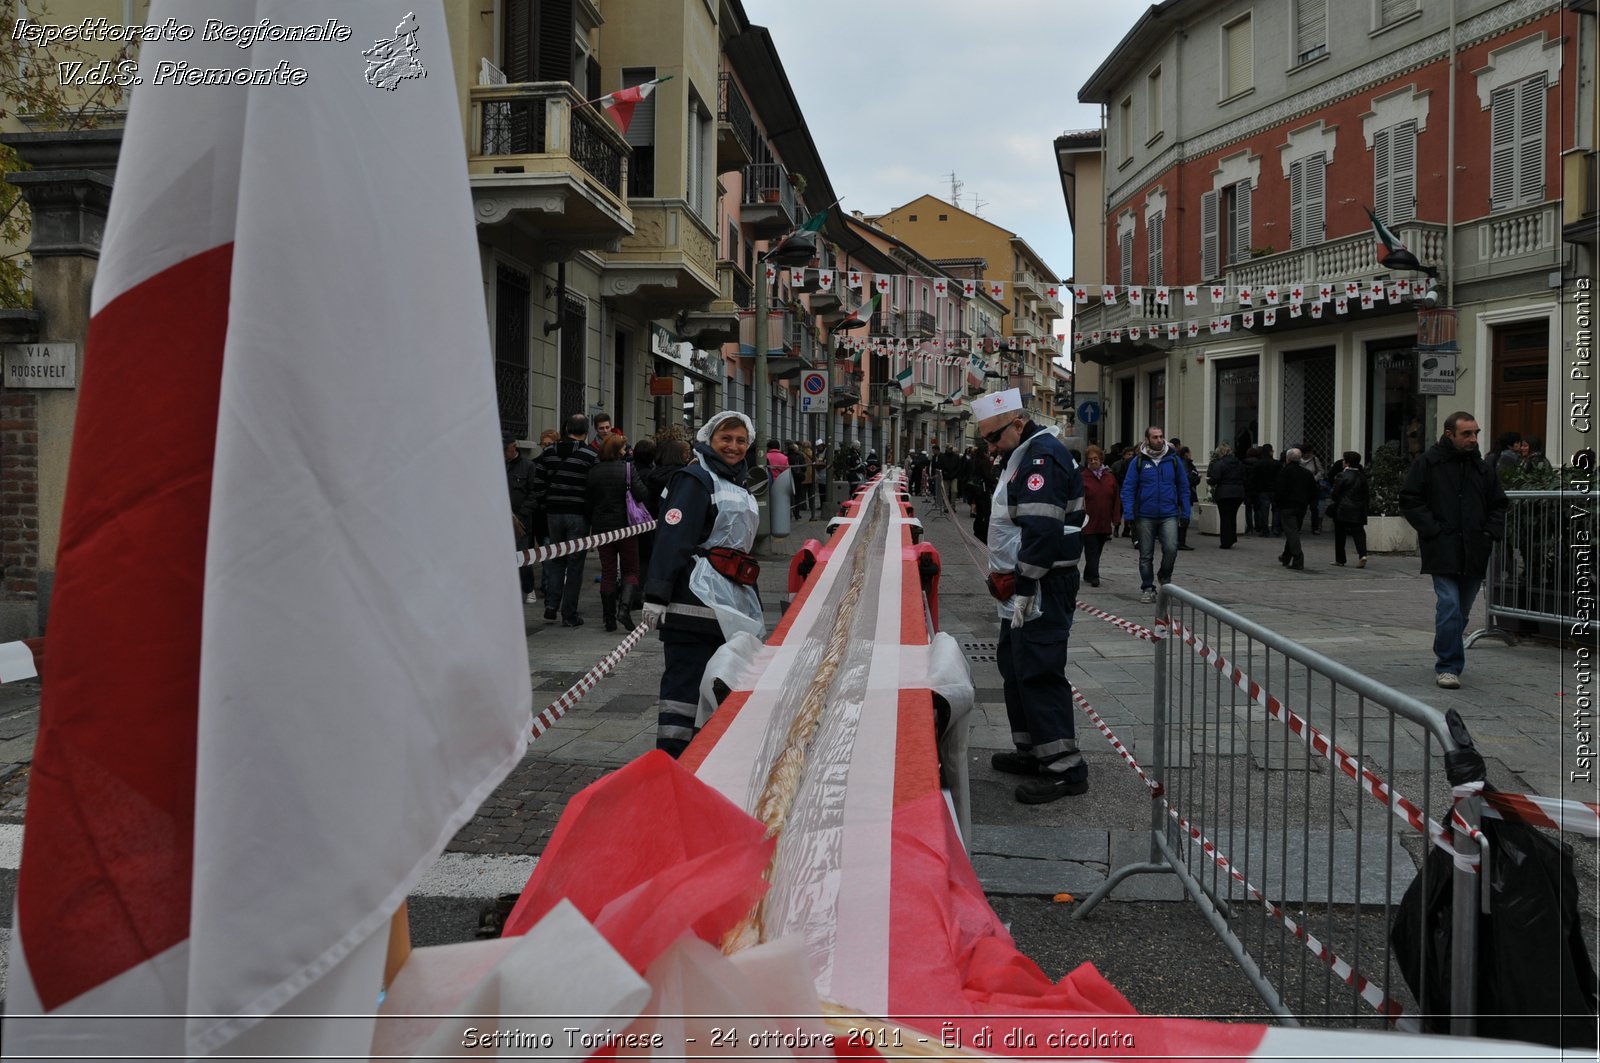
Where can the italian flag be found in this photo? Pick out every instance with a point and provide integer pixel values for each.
(622, 102)
(861, 313)
(904, 379)
(1388, 243)
(255, 740)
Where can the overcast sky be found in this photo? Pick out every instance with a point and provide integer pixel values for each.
(978, 87)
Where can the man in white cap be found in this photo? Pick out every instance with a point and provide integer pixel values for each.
(1034, 543)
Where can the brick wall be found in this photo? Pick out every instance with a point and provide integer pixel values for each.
(19, 496)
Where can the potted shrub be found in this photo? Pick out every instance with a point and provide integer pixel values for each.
(1387, 531)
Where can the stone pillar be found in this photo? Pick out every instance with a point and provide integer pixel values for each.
(68, 188)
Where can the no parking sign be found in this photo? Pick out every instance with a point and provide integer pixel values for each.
(813, 386)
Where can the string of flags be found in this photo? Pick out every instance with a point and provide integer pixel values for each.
(1249, 303)
(884, 283)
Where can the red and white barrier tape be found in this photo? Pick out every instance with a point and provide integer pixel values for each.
(1554, 813)
(1136, 630)
(1156, 789)
(1318, 743)
(1371, 993)
(558, 708)
(572, 546)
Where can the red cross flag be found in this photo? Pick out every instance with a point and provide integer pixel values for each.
(1163, 297)
(997, 289)
(825, 278)
(881, 284)
(1052, 291)
(1080, 295)
(1108, 294)
(1135, 296)
(1191, 295)
(854, 280)
(941, 288)
(969, 288)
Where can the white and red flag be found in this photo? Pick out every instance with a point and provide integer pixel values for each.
(284, 668)
(622, 102)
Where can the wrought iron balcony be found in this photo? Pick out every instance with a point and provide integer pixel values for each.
(769, 206)
(538, 149)
(920, 323)
(736, 127)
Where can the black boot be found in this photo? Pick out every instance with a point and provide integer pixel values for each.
(608, 609)
(624, 609)
(635, 596)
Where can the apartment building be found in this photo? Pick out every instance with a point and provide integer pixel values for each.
(1241, 298)
(1080, 161)
(1015, 275)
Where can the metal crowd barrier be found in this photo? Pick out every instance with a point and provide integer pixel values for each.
(1284, 784)
(1531, 572)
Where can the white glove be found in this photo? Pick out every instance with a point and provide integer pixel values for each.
(1021, 606)
(653, 613)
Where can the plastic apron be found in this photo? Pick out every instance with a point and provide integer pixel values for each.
(1005, 538)
(737, 608)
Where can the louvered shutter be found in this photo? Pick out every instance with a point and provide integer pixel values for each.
(518, 49)
(1154, 237)
(1297, 203)
(1393, 10)
(1240, 65)
(1310, 29)
(1314, 195)
(1241, 220)
(1125, 252)
(1530, 140)
(1402, 173)
(642, 130)
(1502, 146)
(1382, 175)
(553, 49)
(696, 152)
(1208, 235)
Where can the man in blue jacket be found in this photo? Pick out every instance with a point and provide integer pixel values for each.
(1034, 543)
(1155, 496)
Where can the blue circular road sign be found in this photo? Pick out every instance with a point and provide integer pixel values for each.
(1089, 412)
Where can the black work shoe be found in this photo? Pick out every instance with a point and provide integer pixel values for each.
(572, 621)
(1015, 763)
(1050, 786)
(550, 614)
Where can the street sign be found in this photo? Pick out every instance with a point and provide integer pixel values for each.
(1089, 412)
(813, 388)
(41, 365)
(1436, 374)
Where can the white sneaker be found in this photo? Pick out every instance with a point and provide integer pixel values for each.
(1448, 680)
(1148, 597)
(532, 598)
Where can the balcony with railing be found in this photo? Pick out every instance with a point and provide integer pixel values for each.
(826, 299)
(538, 150)
(770, 206)
(719, 322)
(670, 259)
(920, 323)
(791, 343)
(736, 126)
(1346, 258)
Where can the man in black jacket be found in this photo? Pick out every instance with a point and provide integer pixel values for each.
(519, 482)
(560, 484)
(1458, 507)
(1292, 495)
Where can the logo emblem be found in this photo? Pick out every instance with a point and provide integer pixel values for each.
(1035, 482)
(394, 60)
(673, 516)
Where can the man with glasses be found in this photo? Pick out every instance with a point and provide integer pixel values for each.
(1155, 496)
(1034, 542)
(1458, 507)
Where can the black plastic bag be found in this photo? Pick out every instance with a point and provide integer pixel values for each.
(1535, 981)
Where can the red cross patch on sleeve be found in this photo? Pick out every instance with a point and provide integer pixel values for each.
(1035, 482)
(673, 516)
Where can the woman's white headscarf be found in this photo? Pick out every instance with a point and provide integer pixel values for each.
(709, 429)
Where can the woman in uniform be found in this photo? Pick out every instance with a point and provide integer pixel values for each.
(701, 588)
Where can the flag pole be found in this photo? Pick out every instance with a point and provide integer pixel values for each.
(607, 96)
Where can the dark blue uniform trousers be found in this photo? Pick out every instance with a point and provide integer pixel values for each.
(1033, 668)
(687, 655)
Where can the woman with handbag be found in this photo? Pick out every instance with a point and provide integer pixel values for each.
(615, 499)
(701, 588)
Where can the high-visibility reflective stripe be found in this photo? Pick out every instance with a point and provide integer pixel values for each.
(1039, 509)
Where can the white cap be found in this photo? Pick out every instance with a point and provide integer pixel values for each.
(706, 430)
(1008, 401)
